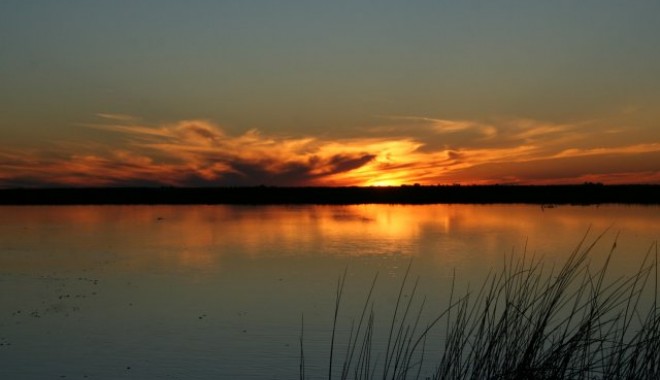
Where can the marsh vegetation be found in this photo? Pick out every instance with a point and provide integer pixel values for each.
(525, 321)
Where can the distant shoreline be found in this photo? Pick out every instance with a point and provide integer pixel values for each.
(587, 194)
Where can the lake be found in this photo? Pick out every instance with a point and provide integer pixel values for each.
(197, 292)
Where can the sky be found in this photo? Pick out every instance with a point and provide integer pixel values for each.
(328, 93)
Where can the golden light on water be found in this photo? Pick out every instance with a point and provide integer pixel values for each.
(212, 236)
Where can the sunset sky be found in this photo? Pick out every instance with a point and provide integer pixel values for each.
(294, 93)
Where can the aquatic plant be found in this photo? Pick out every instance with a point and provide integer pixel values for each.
(525, 322)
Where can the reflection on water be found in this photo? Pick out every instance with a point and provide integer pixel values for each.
(218, 291)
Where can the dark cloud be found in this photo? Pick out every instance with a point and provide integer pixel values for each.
(198, 153)
(342, 163)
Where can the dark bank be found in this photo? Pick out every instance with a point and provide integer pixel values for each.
(586, 194)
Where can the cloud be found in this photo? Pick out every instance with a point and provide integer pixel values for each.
(118, 117)
(443, 126)
(608, 151)
(496, 133)
(190, 152)
(419, 150)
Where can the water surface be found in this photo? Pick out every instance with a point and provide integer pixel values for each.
(193, 292)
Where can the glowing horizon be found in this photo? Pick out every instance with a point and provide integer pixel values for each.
(299, 93)
(200, 153)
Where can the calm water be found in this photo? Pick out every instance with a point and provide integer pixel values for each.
(218, 291)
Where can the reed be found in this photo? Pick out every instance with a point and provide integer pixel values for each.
(524, 322)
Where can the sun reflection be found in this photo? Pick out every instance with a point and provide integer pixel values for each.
(166, 238)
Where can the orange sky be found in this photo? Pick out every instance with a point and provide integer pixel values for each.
(215, 93)
(201, 153)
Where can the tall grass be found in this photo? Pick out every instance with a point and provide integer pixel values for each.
(524, 322)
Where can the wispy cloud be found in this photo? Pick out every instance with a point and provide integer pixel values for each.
(415, 150)
(441, 126)
(118, 117)
(608, 151)
(477, 134)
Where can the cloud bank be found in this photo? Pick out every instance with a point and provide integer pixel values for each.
(408, 150)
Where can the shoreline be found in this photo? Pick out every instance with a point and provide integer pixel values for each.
(586, 194)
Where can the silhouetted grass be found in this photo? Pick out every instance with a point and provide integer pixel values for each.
(524, 322)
